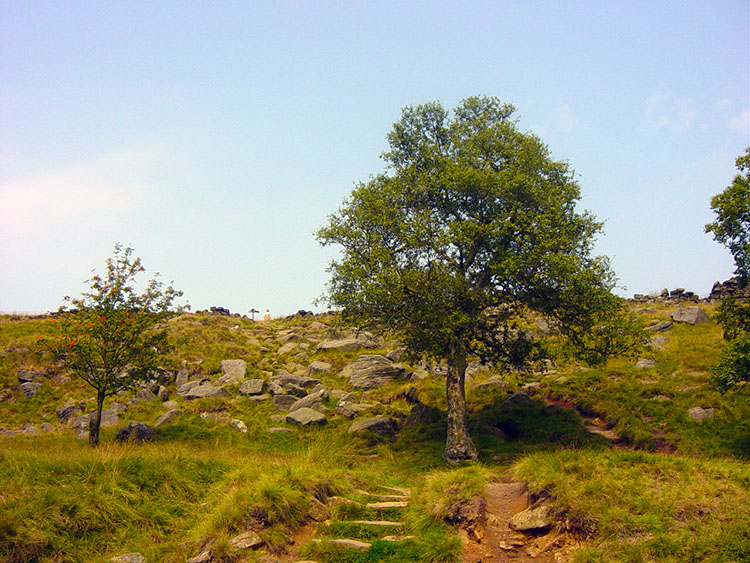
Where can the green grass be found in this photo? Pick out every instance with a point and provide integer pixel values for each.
(200, 482)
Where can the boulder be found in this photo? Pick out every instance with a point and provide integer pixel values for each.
(372, 371)
(663, 326)
(305, 417)
(182, 377)
(690, 315)
(144, 395)
(309, 400)
(30, 389)
(136, 432)
(251, 387)
(700, 414)
(519, 398)
(167, 417)
(532, 520)
(283, 402)
(204, 391)
(66, 411)
(109, 418)
(318, 368)
(162, 393)
(493, 382)
(183, 389)
(27, 375)
(29, 430)
(246, 540)
(234, 371)
(237, 424)
(287, 348)
(342, 345)
(658, 342)
(645, 364)
(349, 409)
(379, 425)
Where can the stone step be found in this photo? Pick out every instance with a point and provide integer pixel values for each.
(377, 523)
(383, 497)
(382, 505)
(399, 490)
(348, 543)
(398, 538)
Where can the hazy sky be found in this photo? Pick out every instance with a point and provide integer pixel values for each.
(215, 137)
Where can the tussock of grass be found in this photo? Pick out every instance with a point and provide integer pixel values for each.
(644, 506)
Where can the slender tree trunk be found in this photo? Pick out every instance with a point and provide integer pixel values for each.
(459, 446)
(96, 421)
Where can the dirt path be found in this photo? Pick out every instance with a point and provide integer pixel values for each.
(502, 544)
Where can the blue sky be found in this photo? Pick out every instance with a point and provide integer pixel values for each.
(215, 137)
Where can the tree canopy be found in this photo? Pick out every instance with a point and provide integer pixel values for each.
(732, 225)
(471, 228)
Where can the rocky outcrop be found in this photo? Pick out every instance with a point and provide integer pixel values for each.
(234, 371)
(167, 417)
(689, 315)
(204, 391)
(733, 287)
(379, 425)
(372, 371)
(252, 387)
(30, 389)
(137, 432)
(306, 417)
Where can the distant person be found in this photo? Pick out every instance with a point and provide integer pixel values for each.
(267, 315)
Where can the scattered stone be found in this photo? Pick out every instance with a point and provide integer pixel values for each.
(519, 398)
(219, 417)
(494, 382)
(379, 425)
(662, 326)
(661, 398)
(397, 538)
(258, 398)
(204, 391)
(47, 427)
(318, 511)
(137, 432)
(202, 557)
(29, 430)
(287, 348)
(532, 520)
(283, 402)
(167, 417)
(185, 388)
(237, 424)
(128, 558)
(162, 393)
(109, 418)
(305, 417)
(658, 342)
(252, 387)
(5, 433)
(182, 377)
(30, 389)
(531, 385)
(690, 315)
(351, 544)
(309, 400)
(349, 409)
(372, 371)
(234, 370)
(699, 414)
(169, 405)
(119, 408)
(645, 364)
(246, 540)
(144, 395)
(27, 376)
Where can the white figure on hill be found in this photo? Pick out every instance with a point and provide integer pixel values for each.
(267, 315)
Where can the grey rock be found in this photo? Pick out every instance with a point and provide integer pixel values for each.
(136, 432)
(128, 558)
(251, 387)
(66, 411)
(185, 388)
(663, 326)
(162, 393)
(283, 402)
(144, 395)
(237, 424)
(258, 398)
(29, 430)
(372, 371)
(342, 345)
(246, 540)
(690, 315)
(422, 414)
(309, 400)
(309, 383)
(658, 342)
(700, 414)
(305, 417)
(119, 408)
(182, 377)
(202, 557)
(287, 348)
(109, 418)
(318, 368)
(47, 427)
(27, 375)
(519, 398)
(235, 369)
(5, 433)
(350, 410)
(532, 520)
(167, 417)
(379, 425)
(30, 389)
(204, 391)
(280, 430)
(645, 364)
(276, 389)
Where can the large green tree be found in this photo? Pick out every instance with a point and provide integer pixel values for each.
(732, 229)
(113, 336)
(472, 228)
(732, 225)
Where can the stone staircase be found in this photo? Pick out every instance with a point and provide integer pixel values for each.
(355, 524)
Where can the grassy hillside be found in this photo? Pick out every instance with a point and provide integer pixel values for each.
(628, 474)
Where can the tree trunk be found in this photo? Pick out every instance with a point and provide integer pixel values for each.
(96, 421)
(459, 446)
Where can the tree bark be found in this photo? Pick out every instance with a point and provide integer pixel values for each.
(96, 421)
(459, 446)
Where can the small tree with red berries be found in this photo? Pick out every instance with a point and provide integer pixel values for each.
(113, 336)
